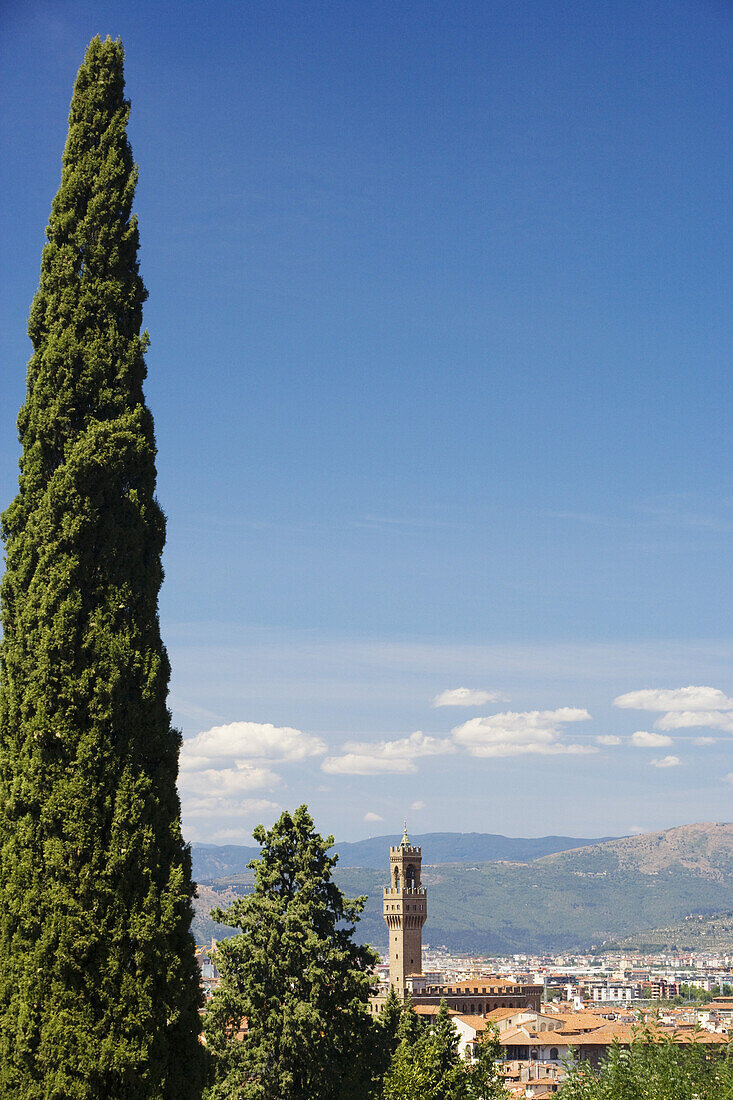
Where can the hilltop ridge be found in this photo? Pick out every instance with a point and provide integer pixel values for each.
(558, 901)
(705, 848)
(211, 861)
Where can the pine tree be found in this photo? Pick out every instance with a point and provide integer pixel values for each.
(98, 981)
(485, 1081)
(426, 1064)
(389, 1020)
(297, 977)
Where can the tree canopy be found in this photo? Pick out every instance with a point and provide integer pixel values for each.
(98, 981)
(295, 974)
(655, 1068)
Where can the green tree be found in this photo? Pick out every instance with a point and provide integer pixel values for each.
(655, 1068)
(388, 1035)
(297, 977)
(98, 980)
(426, 1064)
(485, 1082)
(411, 1028)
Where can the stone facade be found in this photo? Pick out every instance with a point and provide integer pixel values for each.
(405, 909)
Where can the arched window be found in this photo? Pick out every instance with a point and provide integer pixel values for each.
(553, 1054)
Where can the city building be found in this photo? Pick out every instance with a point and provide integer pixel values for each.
(405, 910)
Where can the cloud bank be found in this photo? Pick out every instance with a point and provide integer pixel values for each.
(250, 741)
(222, 766)
(675, 699)
(692, 707)
(386, 757)
(515, 733)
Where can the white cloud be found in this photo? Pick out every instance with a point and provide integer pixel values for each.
(666, 762)
(466, 697)
(675, 699)
(728, 778)
(215, 810)
(386, 757)
(518, 733)
(249, 741)
(417, 805)
(608, 739)
(242, 777)
(643, 739)
(369, 816)
(692, 719)
(703, 741)
(218, 796)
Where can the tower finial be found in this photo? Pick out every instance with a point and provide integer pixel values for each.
(405, 842)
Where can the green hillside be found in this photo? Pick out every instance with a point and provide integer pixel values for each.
(697, 932)
(568, 900)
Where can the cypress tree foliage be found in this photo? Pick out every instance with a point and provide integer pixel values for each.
(98, 982)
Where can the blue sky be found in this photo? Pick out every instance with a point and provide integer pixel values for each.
(440, 367)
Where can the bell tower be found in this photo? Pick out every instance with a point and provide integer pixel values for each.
(405, 908)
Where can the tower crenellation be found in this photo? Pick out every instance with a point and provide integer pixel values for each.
(405, 907)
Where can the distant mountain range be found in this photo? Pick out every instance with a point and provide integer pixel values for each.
(574, 897)
(211, 861)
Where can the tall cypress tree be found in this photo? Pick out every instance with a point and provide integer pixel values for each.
(98, 980)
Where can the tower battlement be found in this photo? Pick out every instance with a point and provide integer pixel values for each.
(405, 910)
(405, 891)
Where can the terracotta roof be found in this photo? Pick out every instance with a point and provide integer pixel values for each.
(602, 1036)
(578, 1021)
(477, 1022)
(518, 1036)
(431, 1010)
(506, 1013)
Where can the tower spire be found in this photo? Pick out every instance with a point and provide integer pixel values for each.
(405, 842)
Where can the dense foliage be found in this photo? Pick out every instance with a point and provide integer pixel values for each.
(426, 1064)
(297, 977)
(98, 982)
(655, 1069)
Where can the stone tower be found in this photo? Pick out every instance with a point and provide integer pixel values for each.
(405, 911)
